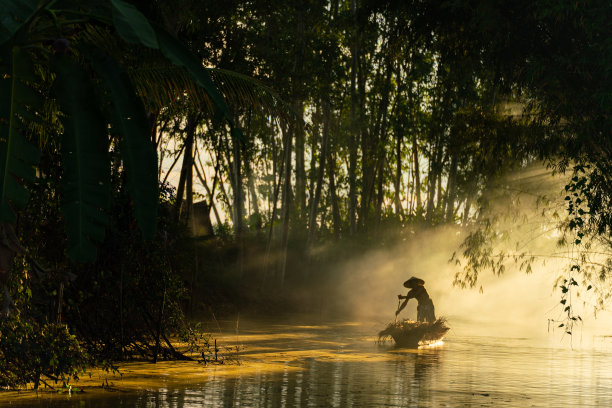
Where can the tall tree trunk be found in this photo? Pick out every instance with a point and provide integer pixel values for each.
(439, 198)
(466, 209)
(317, 125)
(274, 188)
(417, 175)
(437, 133)
(286, 207)
(209, 190)
(382, 141)
(400, 121)
(238, 188)
(331, 163)
(186, 169)
(435, 175)
(187, 207)
(354, 131)
(314, 208)
(300, 169)
(380, 190)
(207, 207)
(398, 169)
(225, 196)
(451, 189)
(252, 191)
(368, 143)
(275, 194)
(226, 151)
(432, 178)
(298, 94)
(238, 201)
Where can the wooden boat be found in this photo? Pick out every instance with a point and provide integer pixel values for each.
(411, 334)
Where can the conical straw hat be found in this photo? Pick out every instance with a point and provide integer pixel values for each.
(414, 282)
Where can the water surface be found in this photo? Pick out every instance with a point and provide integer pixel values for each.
(340, 364)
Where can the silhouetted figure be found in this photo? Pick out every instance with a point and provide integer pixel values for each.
(425, 308)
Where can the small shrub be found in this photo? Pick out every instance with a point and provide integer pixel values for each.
(30, 351)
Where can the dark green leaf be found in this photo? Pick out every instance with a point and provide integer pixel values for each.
(132, 25)
(85, 183)
(17, 155)
(179, 55)
(129, 120)
(13, 15)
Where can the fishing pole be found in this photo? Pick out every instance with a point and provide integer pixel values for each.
(399, 301)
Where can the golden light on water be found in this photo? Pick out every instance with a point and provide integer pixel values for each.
(438, 343)
(342, 364)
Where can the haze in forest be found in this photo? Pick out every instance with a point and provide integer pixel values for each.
(514, 304)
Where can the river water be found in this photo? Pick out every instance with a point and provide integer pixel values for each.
(341, 365)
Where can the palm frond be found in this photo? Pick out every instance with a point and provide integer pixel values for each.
(243, 91)
(162, 84)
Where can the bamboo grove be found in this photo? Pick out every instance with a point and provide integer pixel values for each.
(378, 122)
(377, 125)
(387, 114)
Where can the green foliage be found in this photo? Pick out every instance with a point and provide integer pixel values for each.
(18, 156)
(116, 304)
(31, 352)
(129, 122)
(14, 14)
(58, 88)
(85, 182)
(181, 56)
(88, 104)
(113, 304)
(131, 25)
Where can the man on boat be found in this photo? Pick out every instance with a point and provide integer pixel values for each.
(425, 308)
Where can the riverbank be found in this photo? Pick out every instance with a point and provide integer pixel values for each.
(251, 350)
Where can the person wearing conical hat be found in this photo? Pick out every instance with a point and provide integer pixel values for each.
(425, 307)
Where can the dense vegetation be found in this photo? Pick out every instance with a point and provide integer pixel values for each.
(342, 122)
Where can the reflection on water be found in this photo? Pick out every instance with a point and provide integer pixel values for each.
(341, 365)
